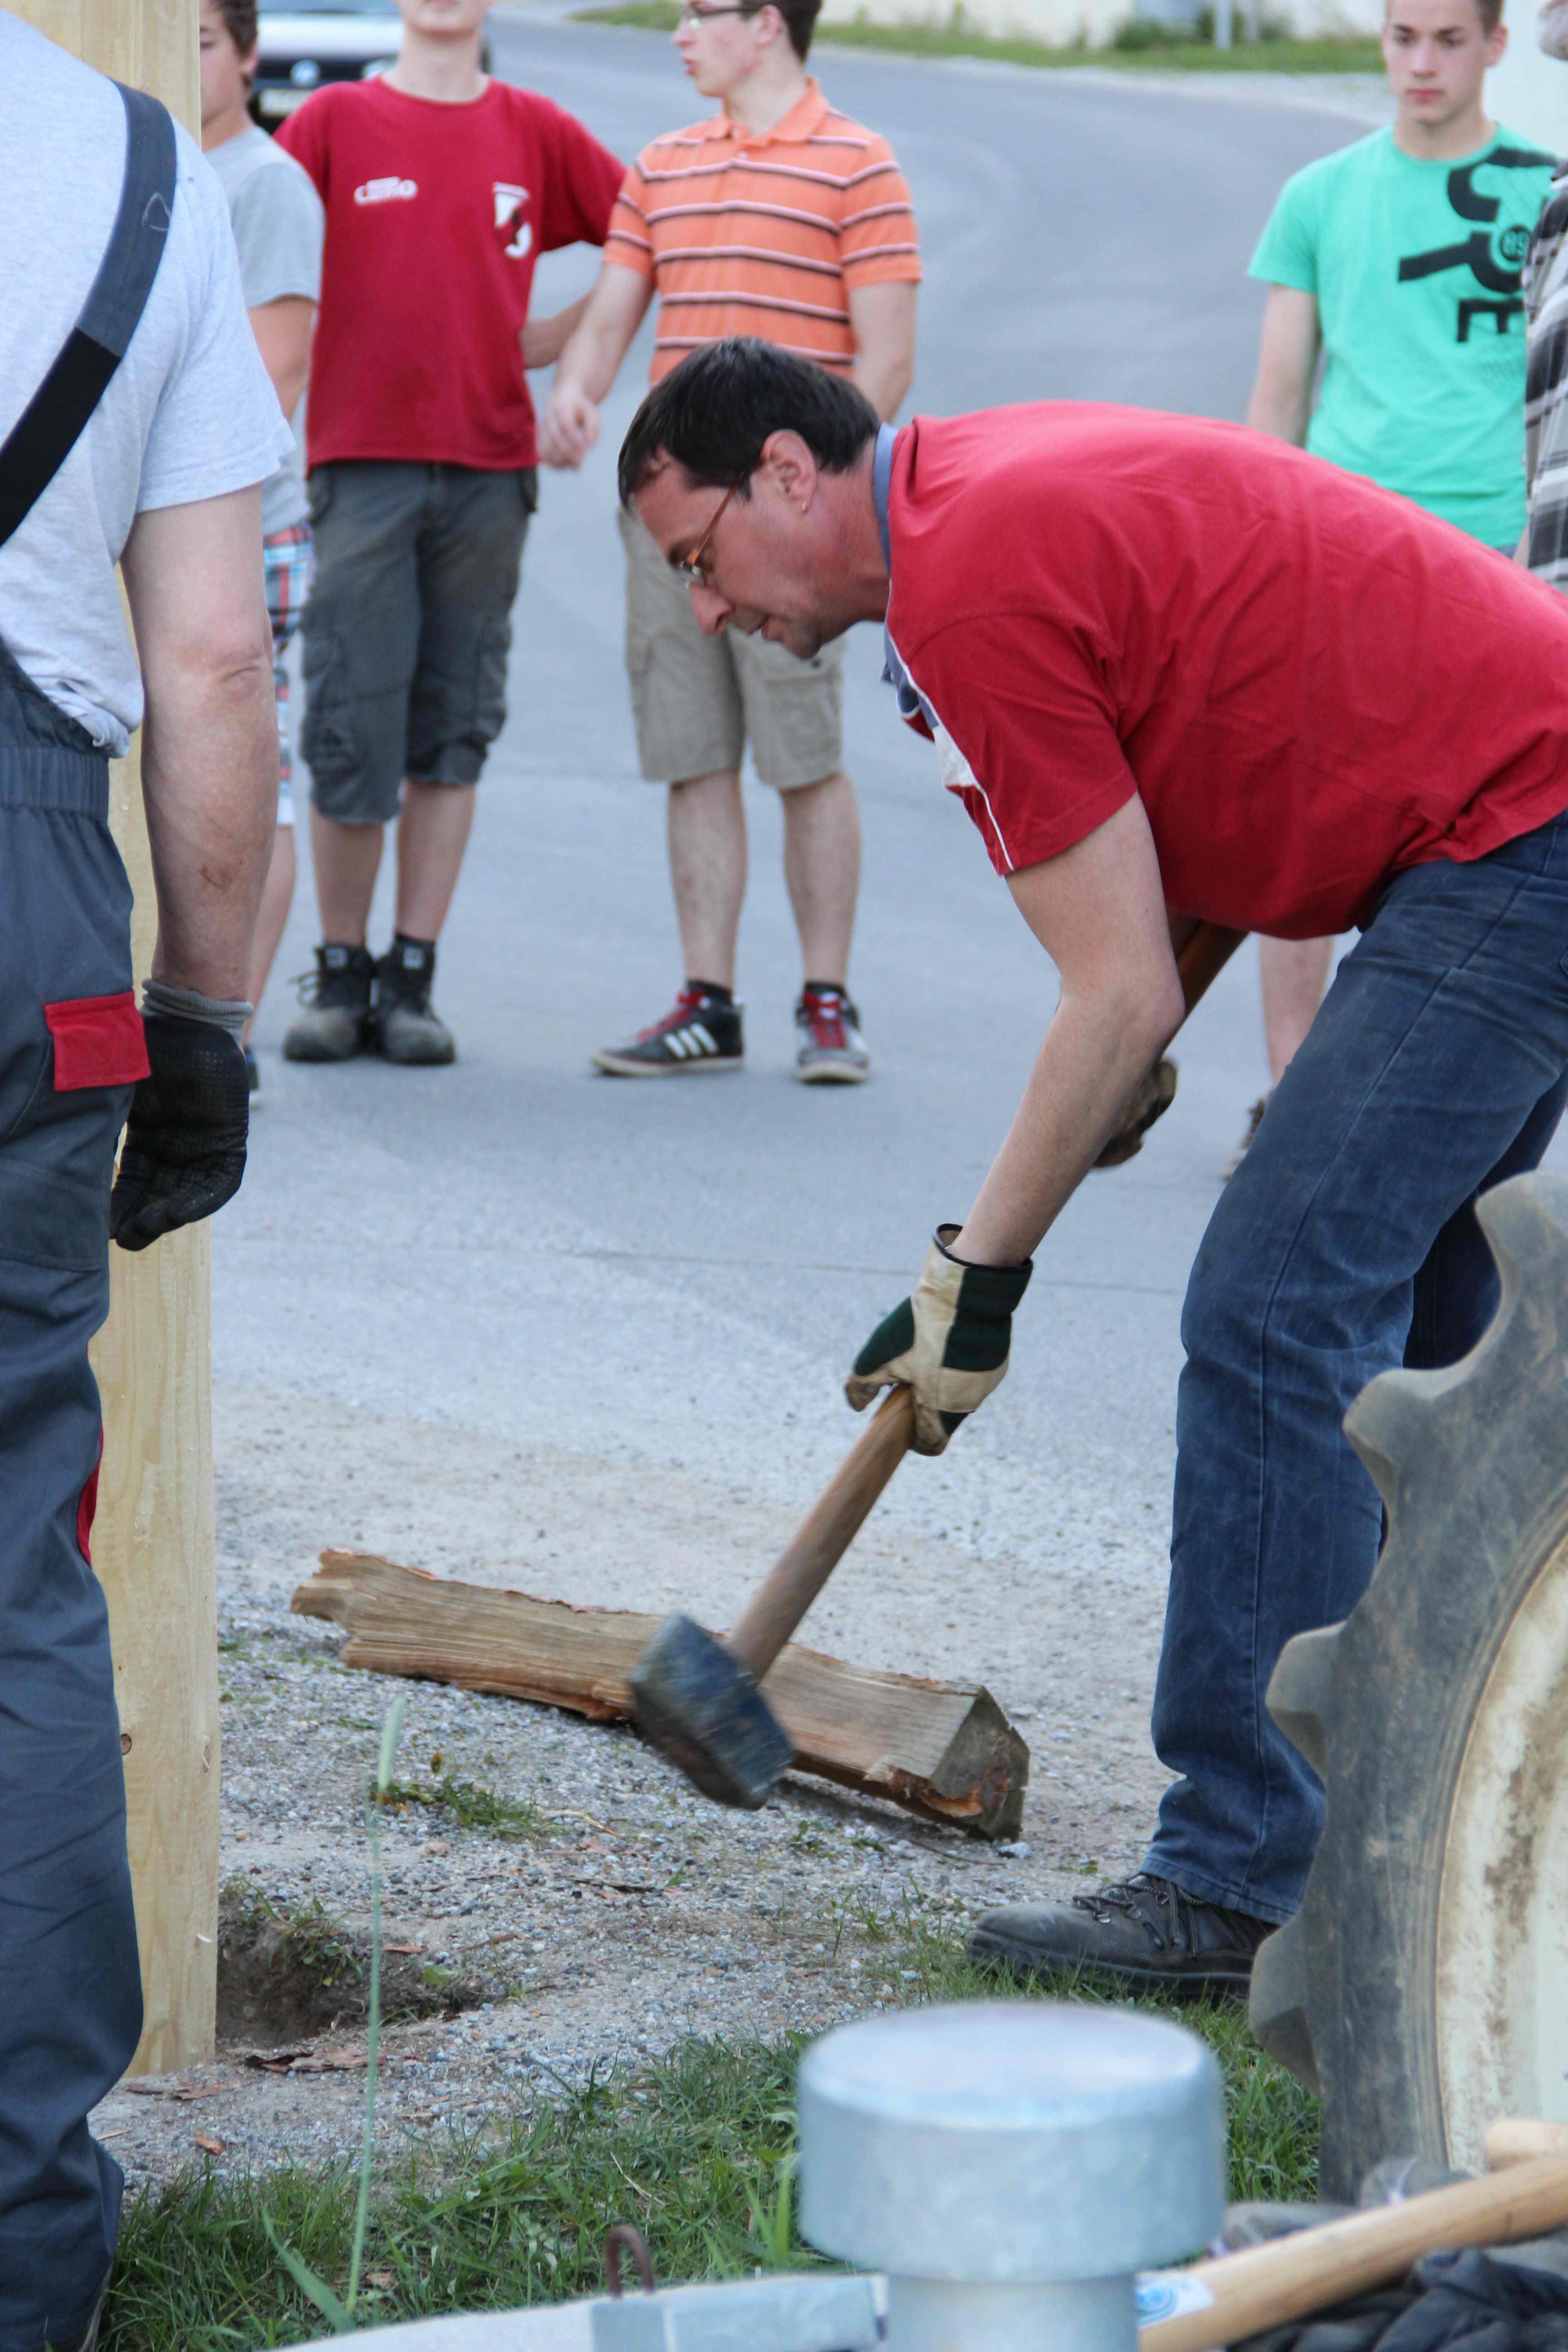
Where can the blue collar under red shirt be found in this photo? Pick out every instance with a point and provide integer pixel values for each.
(894, 674)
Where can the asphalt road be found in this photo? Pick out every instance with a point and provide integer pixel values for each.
(449, 1305)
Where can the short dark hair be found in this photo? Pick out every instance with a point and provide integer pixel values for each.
(1489, 11)
(712, 413)
(239, 18)
(800, 22)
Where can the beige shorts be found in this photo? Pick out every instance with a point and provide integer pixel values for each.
(697, 701)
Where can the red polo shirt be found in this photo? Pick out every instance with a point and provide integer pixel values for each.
(1311, 683)
(436, 215)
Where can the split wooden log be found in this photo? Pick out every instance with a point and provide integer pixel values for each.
(942, 1749)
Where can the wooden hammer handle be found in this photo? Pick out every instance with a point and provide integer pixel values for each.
(1265, 2287)
(1514, 2139)
(807, 1563)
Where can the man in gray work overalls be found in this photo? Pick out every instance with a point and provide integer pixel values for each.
(135, 422)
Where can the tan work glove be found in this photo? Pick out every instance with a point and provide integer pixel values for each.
(948, 1342)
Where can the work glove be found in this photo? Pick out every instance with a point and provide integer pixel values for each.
(948, 1342)
(1152, 1101)
(185, 1142)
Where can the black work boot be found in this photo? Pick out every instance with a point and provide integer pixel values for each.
(405, 1027)
(1136, 1936)
(335, 1022)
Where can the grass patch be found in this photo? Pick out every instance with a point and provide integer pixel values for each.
(1168, 48)
(696, 2149)
(469, 1806)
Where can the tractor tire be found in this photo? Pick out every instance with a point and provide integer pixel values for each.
(1422, 1989)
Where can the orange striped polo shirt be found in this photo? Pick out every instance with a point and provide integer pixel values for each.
(764, 232)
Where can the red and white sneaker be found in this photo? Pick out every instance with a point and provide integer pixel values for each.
(701, 1033)
(832, 1052)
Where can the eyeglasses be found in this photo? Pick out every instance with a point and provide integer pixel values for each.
(692, 567)
(690, 15)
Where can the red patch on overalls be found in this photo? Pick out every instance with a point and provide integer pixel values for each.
(99, 1042)
(87, 1507)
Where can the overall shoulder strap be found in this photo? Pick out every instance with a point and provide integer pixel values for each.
(54, 419)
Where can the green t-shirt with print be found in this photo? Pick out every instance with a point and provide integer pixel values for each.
(1415, 267)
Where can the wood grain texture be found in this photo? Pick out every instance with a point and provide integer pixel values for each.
(152, 1539)
(1265, 2287)
(149, 44)
(942, 1749)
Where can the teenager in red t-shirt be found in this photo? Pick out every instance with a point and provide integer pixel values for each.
(1180, 672)
(441, 189)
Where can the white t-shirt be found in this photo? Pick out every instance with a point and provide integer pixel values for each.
(189, 413)
(279, 227)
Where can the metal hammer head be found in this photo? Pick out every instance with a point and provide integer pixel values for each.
(702, 1710)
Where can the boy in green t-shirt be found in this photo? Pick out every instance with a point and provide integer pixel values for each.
(1398, 260)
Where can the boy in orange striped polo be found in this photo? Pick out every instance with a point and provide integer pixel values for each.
(782, 218)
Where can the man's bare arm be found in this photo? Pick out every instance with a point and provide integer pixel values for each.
(544, 339)
(569, 426)
(1281, 397)
(209, 742)
(882, 319)
(282, 331)
(1098, 911)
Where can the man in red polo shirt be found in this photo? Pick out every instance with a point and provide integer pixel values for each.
(1179, 671)
(441, 187)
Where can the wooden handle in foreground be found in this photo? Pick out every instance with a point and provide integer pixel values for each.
(1515, 2139)
(1264, 2286)
(807, 1563)
(1203, 958)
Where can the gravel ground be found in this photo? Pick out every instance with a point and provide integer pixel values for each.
(641, 1915)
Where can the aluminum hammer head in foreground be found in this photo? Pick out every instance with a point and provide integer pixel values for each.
(703, 1710)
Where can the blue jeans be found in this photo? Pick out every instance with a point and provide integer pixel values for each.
(1345, 1244)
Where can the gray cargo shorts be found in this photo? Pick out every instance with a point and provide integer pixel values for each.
(408, 627)
(697, 700)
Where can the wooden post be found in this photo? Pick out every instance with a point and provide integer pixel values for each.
(153, 1541)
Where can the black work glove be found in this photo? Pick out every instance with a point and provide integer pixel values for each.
(948, 1341)
(185, 1141)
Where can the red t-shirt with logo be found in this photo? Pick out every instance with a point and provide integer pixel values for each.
(1311, 683)
(435, 217)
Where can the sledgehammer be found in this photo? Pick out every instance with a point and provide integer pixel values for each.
(697, 1699)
